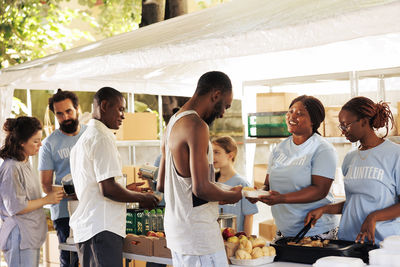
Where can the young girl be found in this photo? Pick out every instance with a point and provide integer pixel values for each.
(371, 175)
(225, 150)
(24, 226)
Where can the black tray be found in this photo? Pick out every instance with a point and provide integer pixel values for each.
(310, 255)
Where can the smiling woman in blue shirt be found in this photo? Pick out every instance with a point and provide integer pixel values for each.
(300, 172)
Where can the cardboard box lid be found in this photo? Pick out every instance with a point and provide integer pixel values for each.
(139, 244)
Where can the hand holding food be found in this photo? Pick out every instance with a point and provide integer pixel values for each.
(273, 198)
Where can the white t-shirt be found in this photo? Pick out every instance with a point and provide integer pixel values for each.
(93, 159)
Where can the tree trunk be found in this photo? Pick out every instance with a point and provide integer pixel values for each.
(152, 11)
(175, 8)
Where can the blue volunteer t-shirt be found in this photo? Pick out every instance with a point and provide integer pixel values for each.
(290, 169)
(241, 208)
(371, 182)
(54, 155)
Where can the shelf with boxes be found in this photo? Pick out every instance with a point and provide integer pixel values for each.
(137, 130)
(275, 95)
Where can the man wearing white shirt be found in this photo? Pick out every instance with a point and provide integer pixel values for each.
(99, 220)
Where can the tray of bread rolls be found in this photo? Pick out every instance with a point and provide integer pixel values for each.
(253, 251)
(309, 250)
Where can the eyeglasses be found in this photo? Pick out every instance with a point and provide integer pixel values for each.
(345, 128)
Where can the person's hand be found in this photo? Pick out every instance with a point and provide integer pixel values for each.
(54, 197)
(235, 197)
(313, 216)
(367, 230)
(273, 198)
(252, 200)
(136, 187)
(148, 201)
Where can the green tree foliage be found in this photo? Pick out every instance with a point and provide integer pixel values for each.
(116, 16)
(31, 28)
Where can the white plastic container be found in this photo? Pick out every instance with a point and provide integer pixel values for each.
(391, 243)
(383, 257)
(255, 193)
(252, 262)
(338, 261)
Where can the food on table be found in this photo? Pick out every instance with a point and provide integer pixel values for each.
(269, 251)
(308, 242)
(227, 232)
(257, 252)
(242, 255)
(246, 245)
(233, 239)
(258, 242)
(247, 188)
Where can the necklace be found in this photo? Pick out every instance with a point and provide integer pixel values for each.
(366, 155)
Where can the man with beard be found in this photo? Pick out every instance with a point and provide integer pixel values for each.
(54, 158)
(186, 176)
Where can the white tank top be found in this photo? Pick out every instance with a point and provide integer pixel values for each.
(190, 223)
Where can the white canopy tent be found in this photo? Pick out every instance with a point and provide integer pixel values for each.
(247, 39)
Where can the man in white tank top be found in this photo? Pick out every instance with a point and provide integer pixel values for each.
(186, 177)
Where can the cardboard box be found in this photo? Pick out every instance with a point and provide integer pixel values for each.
(267, 229)
(259, 173)
(138, 126)
(230, 249)
(139, 244)
(267, 102)
(160, 248)
(132, 175)
(51, 253)
(332, 121)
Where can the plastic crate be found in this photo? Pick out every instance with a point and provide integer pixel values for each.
(267, 124)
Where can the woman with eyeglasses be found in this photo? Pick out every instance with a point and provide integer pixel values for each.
(300, 172)
(371, 175)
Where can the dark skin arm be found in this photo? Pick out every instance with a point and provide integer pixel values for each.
(114, 191)
(368, 226)
(188, 143)
(317, 213)
(197, 142)
(318, 189)
(161, 169)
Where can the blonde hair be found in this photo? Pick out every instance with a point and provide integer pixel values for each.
(228, 144)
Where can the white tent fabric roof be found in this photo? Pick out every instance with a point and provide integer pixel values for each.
(247, 39)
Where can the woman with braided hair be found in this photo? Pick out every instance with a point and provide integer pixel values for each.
(371, 175)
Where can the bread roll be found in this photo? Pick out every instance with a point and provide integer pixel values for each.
(241, 254)
(257, 252)
(269, 251)
(258, 242)
(246, 188)
(246, 245)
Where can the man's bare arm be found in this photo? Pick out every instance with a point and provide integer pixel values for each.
(46, 178)
(198, 140)
(114, 191)
(161, 169)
